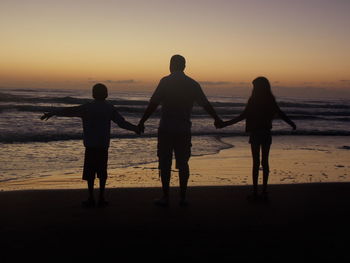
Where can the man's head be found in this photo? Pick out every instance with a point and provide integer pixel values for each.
(177, 63)
(99, 91)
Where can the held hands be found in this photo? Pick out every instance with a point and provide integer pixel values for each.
(293, 126)
(141, 127)
(46, 116)
(219, 124)
(137, 130)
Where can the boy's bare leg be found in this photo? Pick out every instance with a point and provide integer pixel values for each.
(184, 174)
(102, 189)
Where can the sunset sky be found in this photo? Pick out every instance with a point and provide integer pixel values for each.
(128, 44)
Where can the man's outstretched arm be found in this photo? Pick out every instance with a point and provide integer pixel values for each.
(152, 106)
(211, 111)
(203, 101)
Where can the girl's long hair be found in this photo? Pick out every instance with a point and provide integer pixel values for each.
(261, 94)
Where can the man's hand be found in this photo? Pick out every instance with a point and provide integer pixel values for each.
(219, 124)
(46, 116)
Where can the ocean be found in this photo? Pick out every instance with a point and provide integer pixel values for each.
(33, 148)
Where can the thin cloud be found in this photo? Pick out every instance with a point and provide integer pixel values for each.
(224, 83)
(123, 81)
(110, 81)
(215, 83)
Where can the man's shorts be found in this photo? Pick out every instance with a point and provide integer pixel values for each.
(260, 137)
(179, 143)
(95, 162)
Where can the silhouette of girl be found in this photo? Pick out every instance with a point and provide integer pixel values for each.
(259, 112)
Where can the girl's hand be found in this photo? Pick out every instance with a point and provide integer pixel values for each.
(223, 124)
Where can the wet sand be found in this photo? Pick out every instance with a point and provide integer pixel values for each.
(300, 222)
(293, 159)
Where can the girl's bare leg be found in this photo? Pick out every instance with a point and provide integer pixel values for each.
(265, 150)
(255, 148)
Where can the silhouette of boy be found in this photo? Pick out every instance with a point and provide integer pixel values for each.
(176, 93)
(96, 117)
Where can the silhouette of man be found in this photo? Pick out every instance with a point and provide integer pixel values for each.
(176, 93)
(96, 116)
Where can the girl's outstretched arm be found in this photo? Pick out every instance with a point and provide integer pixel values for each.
(239, 118)
(284, 117)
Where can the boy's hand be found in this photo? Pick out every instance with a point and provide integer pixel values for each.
(46, 116)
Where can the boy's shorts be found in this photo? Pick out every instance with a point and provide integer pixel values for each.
(180, 143)
(95, 162)
(260, 137)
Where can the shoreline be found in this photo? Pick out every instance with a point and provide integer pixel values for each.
(324, 159)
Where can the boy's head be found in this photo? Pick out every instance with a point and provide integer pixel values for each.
(99, 91)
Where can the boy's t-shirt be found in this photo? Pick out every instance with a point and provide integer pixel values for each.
(177, 93)
(96, 116)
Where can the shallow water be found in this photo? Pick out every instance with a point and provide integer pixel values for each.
(33, 148)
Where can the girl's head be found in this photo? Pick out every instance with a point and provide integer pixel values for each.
(262, 90)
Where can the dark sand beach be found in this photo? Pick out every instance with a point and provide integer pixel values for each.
(300, 222)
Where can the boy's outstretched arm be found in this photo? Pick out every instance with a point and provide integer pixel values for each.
(65, 112)
(152, 106)
(122, 123)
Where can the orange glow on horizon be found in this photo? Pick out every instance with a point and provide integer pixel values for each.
(224, 42)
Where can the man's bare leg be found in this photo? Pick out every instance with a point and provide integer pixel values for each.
(165, 175)
(90, 202)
